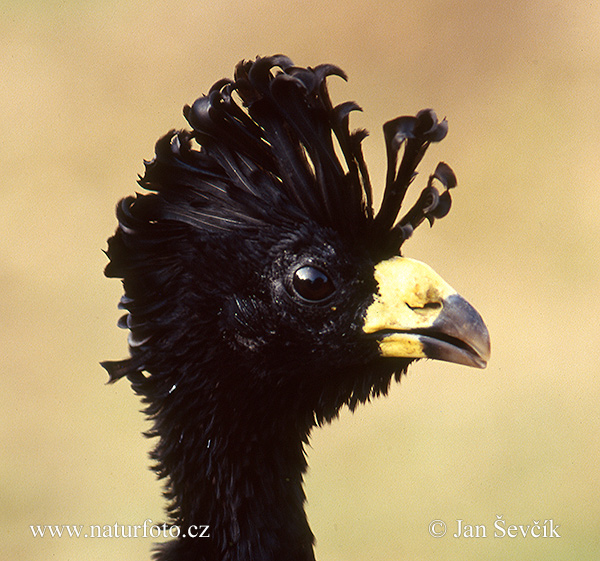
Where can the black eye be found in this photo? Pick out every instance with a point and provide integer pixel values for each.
(312, 284)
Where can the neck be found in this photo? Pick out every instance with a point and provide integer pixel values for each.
(238, 478)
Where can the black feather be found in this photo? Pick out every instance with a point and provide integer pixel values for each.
(270, 177)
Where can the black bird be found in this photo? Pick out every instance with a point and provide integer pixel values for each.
(263, 294)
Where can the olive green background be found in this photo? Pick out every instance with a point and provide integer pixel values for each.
(87, 88)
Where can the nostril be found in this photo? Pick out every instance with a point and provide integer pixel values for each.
(427, 306)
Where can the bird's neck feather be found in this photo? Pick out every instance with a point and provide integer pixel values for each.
(232, 469)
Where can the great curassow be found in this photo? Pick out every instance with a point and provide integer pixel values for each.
(263, 293)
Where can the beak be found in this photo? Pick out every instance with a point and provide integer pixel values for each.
(416, 314)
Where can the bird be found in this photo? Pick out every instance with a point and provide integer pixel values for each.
(263, 293)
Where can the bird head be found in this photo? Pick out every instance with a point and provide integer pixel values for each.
(255, 267)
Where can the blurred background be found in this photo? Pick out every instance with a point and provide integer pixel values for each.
(87, 89)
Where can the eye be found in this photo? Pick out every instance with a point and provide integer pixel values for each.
(312, 284)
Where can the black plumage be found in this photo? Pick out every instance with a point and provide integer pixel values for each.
(254, 297)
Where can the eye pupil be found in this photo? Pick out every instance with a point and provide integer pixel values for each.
(312, 284)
